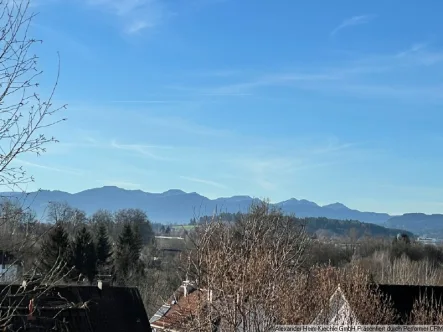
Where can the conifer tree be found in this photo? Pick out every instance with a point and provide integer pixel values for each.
(127, 257)
(103, 248)
(84, 257)
(137, 242)
(123, 255)
(55, 250)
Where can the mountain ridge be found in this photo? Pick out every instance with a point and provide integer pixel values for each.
(177, 206)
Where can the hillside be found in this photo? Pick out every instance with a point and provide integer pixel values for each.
(419, 223)
(176, 206)
(331, 228)
(304, 208)
(348, 228)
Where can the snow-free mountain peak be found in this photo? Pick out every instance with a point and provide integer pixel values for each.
(177, 206)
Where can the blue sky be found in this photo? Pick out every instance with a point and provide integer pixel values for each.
(323, 100)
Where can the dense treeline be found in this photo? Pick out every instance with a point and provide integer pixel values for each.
(323, 227)
(117, 247)
(263, 268)
(344, 243)
(123, 245)
(388, 260)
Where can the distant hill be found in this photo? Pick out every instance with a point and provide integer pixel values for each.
(331, 228)
(176, 206)
(419, 223)
(324, 227)
(304, 208)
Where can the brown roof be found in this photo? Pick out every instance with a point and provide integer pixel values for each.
(178, 309)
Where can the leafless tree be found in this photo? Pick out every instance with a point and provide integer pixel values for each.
(245, 267)
(21, 303)
(62, 212)
(24, 114)
(25, 117)
(426, 311)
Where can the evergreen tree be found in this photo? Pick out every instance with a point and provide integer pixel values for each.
(103, 247)
(55, 250)
(137, 243)
(123, 257)
(127, 257)
(136, 217)
(84, 257)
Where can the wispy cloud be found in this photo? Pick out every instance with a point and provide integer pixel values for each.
(179, 124)
(365, 76)
(141, 15)
(353, 21)
(207, 182)
(65, 170)
(88, 142)
(146, 101)
(146, 150)
(138, 26)
(333, 146)
(420, 54)
(136, 15)
(265, 171)
(246, 88)
(271, 170)
(398, 92)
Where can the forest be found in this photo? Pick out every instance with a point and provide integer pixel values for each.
(122, 247)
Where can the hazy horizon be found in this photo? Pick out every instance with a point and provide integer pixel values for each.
(321, 204)
(273, 99)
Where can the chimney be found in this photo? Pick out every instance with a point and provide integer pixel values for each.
(185, 288)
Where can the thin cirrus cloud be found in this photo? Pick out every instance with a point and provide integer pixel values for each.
(137, 26)
(246, 88)
(143, 149)
(353, 21)
(135, 15)
(359, 77)
(180, 124)
(49, 168)
(420, 54)
(146, 101)
(202, 181)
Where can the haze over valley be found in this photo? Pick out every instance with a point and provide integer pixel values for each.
(178, 207)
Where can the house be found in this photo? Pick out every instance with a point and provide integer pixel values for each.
(183, 305)
(73, 308)
(402, 297)
(339, 311)
(188, 302)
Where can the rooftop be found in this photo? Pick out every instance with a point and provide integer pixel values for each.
(179, 307)
(81, 308)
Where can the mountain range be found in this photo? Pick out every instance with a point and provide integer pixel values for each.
(177, 206)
